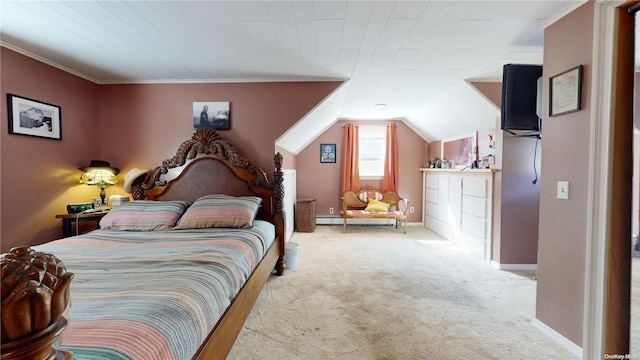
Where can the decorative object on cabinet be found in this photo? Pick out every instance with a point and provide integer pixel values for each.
(211, 114)
(565, 92)
(460, 150)
(435, 163)
(33, 118)
(327, 153)
(99, 172)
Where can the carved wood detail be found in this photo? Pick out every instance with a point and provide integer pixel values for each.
(208, 141)
(35, 293)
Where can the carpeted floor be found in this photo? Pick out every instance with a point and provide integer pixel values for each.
(375, 293)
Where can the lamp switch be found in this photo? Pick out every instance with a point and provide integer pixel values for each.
(563, 190)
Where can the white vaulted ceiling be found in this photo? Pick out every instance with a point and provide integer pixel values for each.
(415, 56)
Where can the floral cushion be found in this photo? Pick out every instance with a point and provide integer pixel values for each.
(365, 196)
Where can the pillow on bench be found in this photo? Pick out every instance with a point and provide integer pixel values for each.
(366, 196)
(377, 206)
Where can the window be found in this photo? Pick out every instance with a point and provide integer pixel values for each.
(371, 151)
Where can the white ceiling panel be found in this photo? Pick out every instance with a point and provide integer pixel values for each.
(413, 55)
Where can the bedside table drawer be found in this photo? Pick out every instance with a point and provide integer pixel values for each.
(72, 224)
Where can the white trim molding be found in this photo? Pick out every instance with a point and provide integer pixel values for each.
(558, 338)
(514, 267)
(598, 208)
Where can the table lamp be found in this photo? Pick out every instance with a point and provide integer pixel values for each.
(99, 172)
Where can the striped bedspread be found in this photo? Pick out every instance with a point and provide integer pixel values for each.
(153, 295)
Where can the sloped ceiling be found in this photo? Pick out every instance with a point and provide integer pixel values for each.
(417, 57)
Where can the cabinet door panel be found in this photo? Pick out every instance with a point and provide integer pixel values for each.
(476, 246)
(432, 196)
(432, 210)
(431, 181)
(475, 186)
(454, 200)
(474, 206)
(432, 223)
(474, 225)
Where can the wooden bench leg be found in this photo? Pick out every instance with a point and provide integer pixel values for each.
(344, 225)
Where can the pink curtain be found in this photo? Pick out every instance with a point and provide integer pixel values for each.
(350, 166)
(390, 181)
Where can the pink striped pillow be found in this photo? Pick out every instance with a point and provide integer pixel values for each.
(220, 211)
(144, 215)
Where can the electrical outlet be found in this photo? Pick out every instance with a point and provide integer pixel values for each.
(563, 190)
(412, 210)
(330, 210)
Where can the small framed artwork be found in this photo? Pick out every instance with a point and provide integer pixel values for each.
(327, 153)
(211, 114)
(33, 118)
(565, 92)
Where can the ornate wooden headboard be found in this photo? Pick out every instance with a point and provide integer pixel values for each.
(207, 164)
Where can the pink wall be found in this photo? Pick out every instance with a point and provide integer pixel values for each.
(516, 232)
(491, 90)
(150, 121)
(562, 230)
(127, 125)
(289, 161)
(435, 150)
(322, 181)
(40, 176)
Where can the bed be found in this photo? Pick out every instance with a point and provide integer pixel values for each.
(172, 275)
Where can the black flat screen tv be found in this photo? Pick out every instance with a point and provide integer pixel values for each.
(520, 97)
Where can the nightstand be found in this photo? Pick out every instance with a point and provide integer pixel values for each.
(68, 219)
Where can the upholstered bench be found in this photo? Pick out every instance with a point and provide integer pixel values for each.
(370, 203)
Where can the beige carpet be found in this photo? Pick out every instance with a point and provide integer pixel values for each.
(375, 293)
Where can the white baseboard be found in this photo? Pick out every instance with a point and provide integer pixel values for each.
(558, 338)
(514, 267)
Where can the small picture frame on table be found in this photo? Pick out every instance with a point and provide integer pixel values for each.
(565, 92)
(327, 153)
(33, 118)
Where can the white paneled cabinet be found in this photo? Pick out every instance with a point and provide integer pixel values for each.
(458, 206)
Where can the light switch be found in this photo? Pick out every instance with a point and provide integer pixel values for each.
(563, 190)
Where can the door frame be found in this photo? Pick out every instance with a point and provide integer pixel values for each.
(608, 254)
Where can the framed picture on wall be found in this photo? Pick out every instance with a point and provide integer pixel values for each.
(327, 153)
(33, 118)
(211, 114)
(565, 92)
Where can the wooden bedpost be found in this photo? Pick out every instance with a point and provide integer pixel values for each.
(279, 216)
(35, 293)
